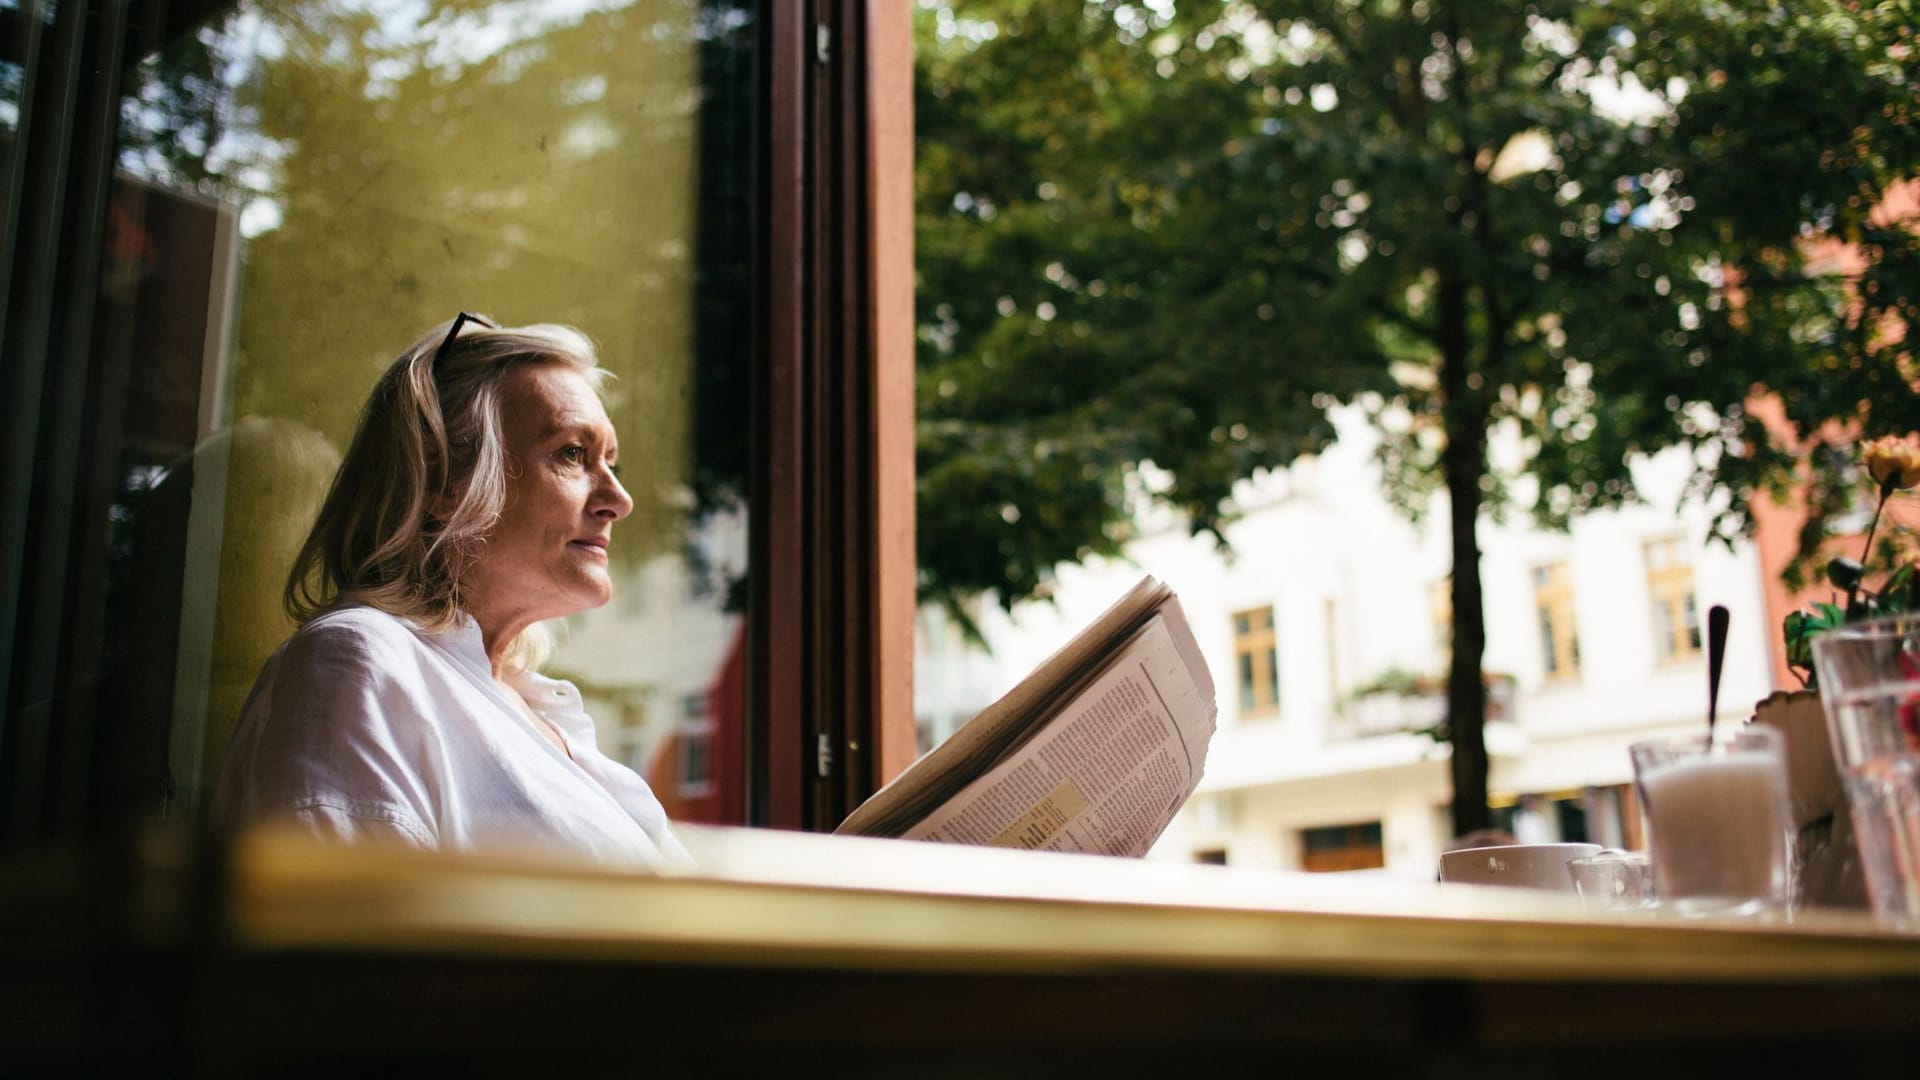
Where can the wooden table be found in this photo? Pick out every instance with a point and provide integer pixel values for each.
(898, 959)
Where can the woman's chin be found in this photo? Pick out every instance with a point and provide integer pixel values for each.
(600, 594)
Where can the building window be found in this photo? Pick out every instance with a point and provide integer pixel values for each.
(695, 743)
(1553, 603)
(1211, 857)
(1256, 661)
(1676, 615)
(1342, 847)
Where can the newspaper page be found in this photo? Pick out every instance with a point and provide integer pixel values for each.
(1109, 771)
(1014, 718)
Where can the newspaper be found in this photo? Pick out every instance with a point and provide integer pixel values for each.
(1095, 751)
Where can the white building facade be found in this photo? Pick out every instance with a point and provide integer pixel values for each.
(1595, 639)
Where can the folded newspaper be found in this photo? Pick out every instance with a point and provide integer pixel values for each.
(1095, 751)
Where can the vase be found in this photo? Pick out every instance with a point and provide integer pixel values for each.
(1826, 859)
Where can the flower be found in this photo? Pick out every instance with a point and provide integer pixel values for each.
(1893, 462)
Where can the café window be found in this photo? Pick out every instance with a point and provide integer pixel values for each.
(1676, 615)
(1256, 661)
(1553, 610)
(250, 209)
(1342, 847)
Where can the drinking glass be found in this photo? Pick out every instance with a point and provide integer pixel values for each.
(1717, 822)
(1613, 880)
(1869, 676)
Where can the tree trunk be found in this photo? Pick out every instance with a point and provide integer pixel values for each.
(1463, 463)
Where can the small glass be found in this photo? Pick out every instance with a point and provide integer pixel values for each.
(1870, 686)
(1717, 821)
(1613, 880)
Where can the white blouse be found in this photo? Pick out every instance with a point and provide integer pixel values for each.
(362, 726)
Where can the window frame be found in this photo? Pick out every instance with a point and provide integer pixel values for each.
(1251, 646)
(833, 545)
(1557, 620)
(1363, 847)
(1673, 599)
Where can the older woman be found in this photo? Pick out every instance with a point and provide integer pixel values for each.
(478, 498)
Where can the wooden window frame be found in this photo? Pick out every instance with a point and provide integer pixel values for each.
(833, 544)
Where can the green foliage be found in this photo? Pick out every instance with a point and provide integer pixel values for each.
(1100, 290)
(1896, 595)
(1396, 681)
(1799, 630)
(1179, 236)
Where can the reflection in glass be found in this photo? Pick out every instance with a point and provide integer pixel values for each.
(309, 185)
(13, 83)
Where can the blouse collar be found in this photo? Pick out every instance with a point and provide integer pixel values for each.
(465, 644)
(554, 698)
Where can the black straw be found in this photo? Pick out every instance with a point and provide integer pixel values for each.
(1716, 652)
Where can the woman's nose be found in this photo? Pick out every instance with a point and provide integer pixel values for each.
(613, 501)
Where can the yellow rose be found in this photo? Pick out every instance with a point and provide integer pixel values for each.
(1893, 462)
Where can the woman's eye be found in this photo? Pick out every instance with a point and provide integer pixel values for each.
(575, 454)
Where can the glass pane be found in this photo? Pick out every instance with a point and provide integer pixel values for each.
(309, 186)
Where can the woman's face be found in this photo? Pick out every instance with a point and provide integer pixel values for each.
(547, 557)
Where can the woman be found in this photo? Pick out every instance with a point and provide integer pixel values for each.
(478, 498)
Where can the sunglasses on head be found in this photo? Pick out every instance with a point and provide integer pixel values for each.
(460, 322)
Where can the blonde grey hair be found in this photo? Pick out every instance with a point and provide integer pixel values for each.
(424, 481)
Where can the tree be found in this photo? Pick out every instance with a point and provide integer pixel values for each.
(1091, 299)
(1574, 225)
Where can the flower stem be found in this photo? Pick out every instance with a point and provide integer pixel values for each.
(1866, 550)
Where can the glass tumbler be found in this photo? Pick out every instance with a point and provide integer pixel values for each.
(1869, 677)
(1717, 820)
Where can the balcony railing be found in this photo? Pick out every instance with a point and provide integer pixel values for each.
(1395, 712)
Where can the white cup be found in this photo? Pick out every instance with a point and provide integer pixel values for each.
(1524, 866)
(1717, 820)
